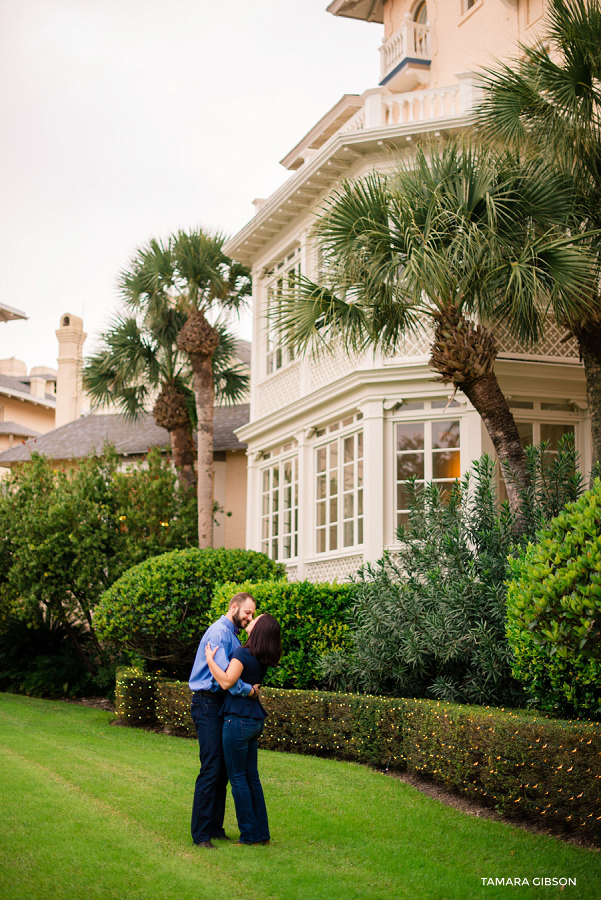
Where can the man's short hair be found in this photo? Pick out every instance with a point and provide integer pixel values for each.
(238, 599)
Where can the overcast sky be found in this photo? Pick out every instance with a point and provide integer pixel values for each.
(126, 119)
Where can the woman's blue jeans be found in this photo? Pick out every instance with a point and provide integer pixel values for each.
(240, 748)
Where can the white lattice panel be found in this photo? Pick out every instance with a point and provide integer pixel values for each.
(551, 345)
(333, 569)
(292, 573)
(326, 367)
(279, 390)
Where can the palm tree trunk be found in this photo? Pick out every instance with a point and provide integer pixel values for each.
(199, 340)
(589, 341)
(202, 369)
(464, 354)
(171, 412)
(182, 449)
(488, 400)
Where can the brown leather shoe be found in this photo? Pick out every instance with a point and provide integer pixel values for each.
(266, 843)
(209, 845)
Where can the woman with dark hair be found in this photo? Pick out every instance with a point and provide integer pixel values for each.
(243, 719)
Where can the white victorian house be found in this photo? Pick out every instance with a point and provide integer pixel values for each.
(332, 439)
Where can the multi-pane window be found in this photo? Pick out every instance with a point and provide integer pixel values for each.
(279, 524)
(425, 451)
(283, 279)
(339, 493)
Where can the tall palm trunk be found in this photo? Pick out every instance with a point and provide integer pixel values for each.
(171, 412)
(199, 340)
(464, 354)
(589, 341)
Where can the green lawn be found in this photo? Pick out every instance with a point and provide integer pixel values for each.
(92, 811)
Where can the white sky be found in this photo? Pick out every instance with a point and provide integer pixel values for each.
(126, 119)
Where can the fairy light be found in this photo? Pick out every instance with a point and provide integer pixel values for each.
(483, 752)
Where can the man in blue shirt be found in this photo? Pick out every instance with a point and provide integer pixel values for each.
(208, 808)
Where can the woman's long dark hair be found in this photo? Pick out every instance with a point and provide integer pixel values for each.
(265, 640)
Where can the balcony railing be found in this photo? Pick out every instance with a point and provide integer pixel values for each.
(411, 42)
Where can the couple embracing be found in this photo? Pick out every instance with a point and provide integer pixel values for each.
(227, 712)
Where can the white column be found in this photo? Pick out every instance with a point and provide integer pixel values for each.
(374, 107)
(374, 481)
(253, 504)
(305, 500)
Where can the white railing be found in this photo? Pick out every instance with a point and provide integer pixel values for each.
(419, 106)
(357, 123)
(411, 40)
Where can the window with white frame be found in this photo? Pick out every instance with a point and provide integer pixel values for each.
(279, 519)
(339, 491)
(427, 452)
(281, 281)
(533, 432)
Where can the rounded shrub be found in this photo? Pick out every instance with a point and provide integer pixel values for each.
(159, 609)
(312, 617)
(554, 610)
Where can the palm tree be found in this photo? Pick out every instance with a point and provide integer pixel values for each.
(458, 238)
(191, 275)
(139, 363)
(547, 103)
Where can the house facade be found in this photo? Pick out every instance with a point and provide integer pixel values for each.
(333, 438)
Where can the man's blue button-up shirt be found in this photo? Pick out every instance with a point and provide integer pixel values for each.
(221, 633)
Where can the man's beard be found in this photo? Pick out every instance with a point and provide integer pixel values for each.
(237, 620)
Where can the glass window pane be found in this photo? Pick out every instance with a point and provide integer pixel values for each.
(334, 484)
(565, 406)
(444, 404)
(334, 456)
(413, 404)
(321, 513)
(274, 550)
(410, 436)
(321, 487)
(265, 504)
(349, 477)
(408, 465)
(287, 521)
(321, 459)
(360, 445)
(347, 421)
(334, 509)
(321, 540)
(334, 537)
(265, 528)
(445, 434)
(275, 501)
(349, 449)
(446, 465)
(266, 479)
(360, 502)
(360, 473)
(520, 404)
(554, 433)
(348, 506)
(276, 476)
(348, 534)
(287, 547)
(360, 531)
(288, 471)
(525, 433)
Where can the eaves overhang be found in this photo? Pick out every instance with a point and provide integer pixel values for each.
(368, 10)
(27, 398)
(298, 192)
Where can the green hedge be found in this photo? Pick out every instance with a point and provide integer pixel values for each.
(312, 617)
(524, 765)
(554, 610)
(159, 609)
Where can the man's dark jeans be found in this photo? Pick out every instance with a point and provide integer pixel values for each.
(208, 808)
(240, 748)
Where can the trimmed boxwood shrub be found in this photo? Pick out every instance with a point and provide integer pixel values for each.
(159, 609)
(524, 765)
(554, 610)
(312, 617)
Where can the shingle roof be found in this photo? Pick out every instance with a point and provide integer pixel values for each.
(17, 430)
(12, 383)
(89, 434)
